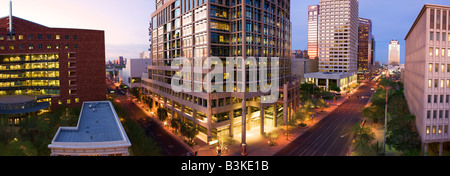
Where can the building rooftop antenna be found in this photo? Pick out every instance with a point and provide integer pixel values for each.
(11, 30)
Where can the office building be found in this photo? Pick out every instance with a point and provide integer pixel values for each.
(201, 29)
(313, 31)
(99, 133)
(132, 73)
(427, 75)
(338, 44)
(65, 64)
(364, 48)
(394, 52)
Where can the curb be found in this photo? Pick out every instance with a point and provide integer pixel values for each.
(187, 147)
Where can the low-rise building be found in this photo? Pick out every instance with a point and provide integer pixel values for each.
(132, 73)
(99, 133)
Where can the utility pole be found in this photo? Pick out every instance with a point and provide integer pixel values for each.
(385, 114)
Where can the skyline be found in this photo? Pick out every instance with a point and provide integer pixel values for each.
(116, 21)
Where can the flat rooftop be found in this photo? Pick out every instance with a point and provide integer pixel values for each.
(14, 99)
(98, 122)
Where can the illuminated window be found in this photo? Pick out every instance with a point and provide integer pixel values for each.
(430, 67)
(68, 101)
(77, 100)
(434, 129)
(30, 47)
(431, 51)
(440, 129)
(11, 47)
(20, 37)
(2, 47)
(60, 102)
(428, 130)
(430, 83)
(57, 37)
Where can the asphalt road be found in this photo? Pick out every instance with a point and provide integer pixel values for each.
(332, 135)
(169, 145)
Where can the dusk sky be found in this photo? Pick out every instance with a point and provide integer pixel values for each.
(126, 22)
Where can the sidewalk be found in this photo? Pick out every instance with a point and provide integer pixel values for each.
(178, 138)
(256, 144)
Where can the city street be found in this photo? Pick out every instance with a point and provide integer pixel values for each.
(169, 145)
(332, 135)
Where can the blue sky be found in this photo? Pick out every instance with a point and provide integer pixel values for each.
(126, 22)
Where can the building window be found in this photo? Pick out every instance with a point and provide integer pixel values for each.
(77, 100)
(429, 98)
(446, 129)
(434, 129)
(435, 98)
(57, 37)
(430, 83)
(30, 47)
(440, 129)
(49, 37)
(68, 101)
(428, 114)
(430, 67)
(431, 35)
(428, 130)
(60, 102)
(434, 114)
(446, 114)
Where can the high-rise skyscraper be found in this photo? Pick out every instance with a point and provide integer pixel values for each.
(338, 44)
(364, 47)
(197, 30)
(313, 31)
(427, 75)
(394, 52)
(372, 61)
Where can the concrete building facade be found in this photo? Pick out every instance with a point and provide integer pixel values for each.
(132, 73)
(394, 52)
(427, 74)
(338, 43)
(313, 31)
